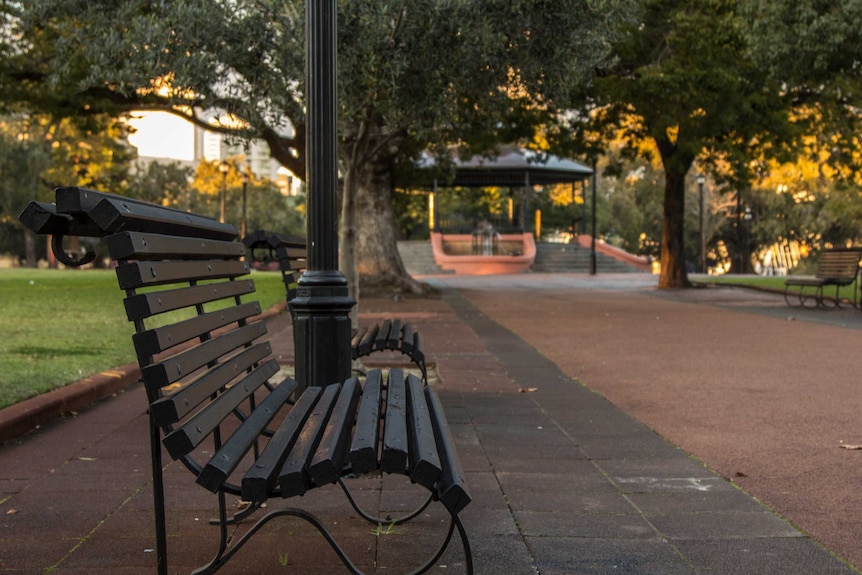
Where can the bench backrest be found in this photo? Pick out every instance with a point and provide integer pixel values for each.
(290, 252)
(201, 352)
(838, 264)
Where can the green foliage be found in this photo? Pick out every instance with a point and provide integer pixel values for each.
(39, 153)
(164, 184)
(266, 208)
(411, 215)
(634, 218)
(681, 77)
(413, 74)
(22, 162)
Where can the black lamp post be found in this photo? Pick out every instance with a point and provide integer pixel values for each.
(245, 178)
(701, 179)
(322, 306)
(224, 168)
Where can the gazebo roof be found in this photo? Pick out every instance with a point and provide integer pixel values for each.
(513, 167)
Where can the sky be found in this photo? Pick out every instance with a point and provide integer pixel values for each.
(162, 135)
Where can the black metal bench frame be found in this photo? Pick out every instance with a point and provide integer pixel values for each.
(838, 268)
(290, 252)
(209, 376)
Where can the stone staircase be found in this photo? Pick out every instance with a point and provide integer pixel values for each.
(418, 258)
(572, 258)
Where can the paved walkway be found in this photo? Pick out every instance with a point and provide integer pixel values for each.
(605, 427)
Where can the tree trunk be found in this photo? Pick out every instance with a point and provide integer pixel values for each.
(347, 240)
(676, 161)
(673, 272)
(378, 262)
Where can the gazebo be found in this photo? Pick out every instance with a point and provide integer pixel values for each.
(485, 251)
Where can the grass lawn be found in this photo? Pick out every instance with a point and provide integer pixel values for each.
(57, 326)
(769, 282)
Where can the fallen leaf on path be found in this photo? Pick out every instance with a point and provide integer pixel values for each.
(527, 389)
(12, 512)
(852, 447)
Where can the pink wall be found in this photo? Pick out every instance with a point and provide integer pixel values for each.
(484, 265)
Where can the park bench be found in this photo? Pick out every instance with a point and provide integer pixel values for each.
(393, 334)
(837, 267)
(215, 398)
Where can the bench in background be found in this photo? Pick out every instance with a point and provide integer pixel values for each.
(267, 248)
(215, 398)
(837, 268)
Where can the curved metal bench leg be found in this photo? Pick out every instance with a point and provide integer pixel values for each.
(224, 554)
(239, 516)
(797, 296)
(379, 520)
(454, 521)
(822, 299)
(837, 298)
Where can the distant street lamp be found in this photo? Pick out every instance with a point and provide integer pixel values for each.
(701, 179)
(244, 190)
(746, 254)
(224, 168)
(593, 261)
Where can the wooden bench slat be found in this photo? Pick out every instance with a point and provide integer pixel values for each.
(228, 457)
(140, 245)
(170, 409)
(407, 338)
(354, 342)
(157, 340)
(381, 341)
(417, 353)
(294, 478)
(424, 462)
(143, 274)
(260, 480)
(451, 487)
(123, 215)
(333, 451)
(367, 342)
(394, 458)
(393, 341)
(142, 306)
(365, 450)
(175, 368)
(184, 439)
(77, 200)
(42, 218)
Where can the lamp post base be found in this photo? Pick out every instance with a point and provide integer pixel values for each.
(322, 328)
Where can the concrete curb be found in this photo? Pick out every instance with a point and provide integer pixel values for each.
(27, 415)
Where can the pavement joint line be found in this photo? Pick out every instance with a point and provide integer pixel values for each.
(509, 510)
(92, 531)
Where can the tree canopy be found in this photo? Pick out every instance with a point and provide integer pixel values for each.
(413, 75)
(682, 77)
